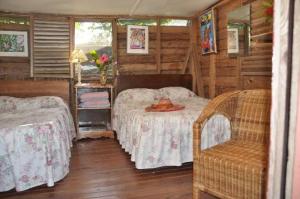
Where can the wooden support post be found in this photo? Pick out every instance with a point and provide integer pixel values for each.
(72, 43)
(194, 76)
(31, 45)
(115, 44)
(158, 46)
(198, 72)
(186, 61)
(238, 73)
(212, 76)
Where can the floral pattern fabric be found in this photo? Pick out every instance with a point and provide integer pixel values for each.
(138, 95)
(176, 93)
(35, 140)
(157, 139)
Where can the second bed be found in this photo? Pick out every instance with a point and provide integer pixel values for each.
(157, 139)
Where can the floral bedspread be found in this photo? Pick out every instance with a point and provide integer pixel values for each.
(157, 139)
(35, 140)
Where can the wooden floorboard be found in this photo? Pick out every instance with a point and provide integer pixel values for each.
(100, 169)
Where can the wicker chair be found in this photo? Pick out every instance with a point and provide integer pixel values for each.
(236, 168)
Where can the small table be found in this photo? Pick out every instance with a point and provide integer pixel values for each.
(93, 122)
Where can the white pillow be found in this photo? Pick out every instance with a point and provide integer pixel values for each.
(176, 93)
(7, 104)
(138, 95)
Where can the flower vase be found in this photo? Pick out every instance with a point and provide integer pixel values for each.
(103, 78)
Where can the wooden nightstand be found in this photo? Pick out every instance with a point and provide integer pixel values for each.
(93, 121)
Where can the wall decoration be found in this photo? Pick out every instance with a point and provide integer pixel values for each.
(269, 10)
(137, 39)
(233, 40)
(207, 32)
(13, 43)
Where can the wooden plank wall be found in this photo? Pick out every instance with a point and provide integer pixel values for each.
(168, 47)
(175, 42)
(15, 67)
(222, 73)
(136, 63)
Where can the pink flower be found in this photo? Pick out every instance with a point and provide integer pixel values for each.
(28, 139)
(173, 144)
(49, 162)
(134, 142)
(104, 58)
(145, 128)
(24, 179)
(151, 158)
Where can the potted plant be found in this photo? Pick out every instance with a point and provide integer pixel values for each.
(101, 61)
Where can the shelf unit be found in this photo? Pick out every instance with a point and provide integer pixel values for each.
(93, 122)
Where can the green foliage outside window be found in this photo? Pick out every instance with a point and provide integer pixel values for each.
(14, 20)
(137, 22)
(153, 22)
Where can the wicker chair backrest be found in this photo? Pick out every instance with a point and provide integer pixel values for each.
(251, 122)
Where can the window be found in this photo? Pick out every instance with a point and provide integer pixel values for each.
(153, 22)
(138, 22)
(93, 36)
(14, 20)
(174, 22)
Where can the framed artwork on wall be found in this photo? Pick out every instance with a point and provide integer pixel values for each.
(13, 43)
(233, 40)
(208, 32)
(137, 39)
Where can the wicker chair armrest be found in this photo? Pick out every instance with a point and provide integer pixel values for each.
(223, 104)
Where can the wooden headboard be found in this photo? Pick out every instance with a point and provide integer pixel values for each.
(153, 81)
(33, 88)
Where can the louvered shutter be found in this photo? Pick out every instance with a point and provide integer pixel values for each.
(51, 47)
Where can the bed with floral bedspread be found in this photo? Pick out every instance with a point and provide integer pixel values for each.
(157, 139)
(35, 141)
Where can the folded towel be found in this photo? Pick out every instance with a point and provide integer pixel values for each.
(95, 106)
(93, 95)
(92, 104)
(94, 99)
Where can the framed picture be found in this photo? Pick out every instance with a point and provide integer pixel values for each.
(13, 43)
(208, 32)
(232, 40)
(137, 39)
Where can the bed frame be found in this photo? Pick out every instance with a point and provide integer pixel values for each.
(33, 88)
(153, 81)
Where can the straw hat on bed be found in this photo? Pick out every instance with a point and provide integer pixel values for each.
(164, 105)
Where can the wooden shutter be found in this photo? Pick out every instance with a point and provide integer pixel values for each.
(51, 47)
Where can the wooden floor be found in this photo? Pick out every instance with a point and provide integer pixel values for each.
(101, 169)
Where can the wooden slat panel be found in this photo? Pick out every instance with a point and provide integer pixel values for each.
(51, 47)
(167, 49)
(229, 71)
(57, 22)
(61, 29)
(37, 38)
(255, 82)
(137, 67)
